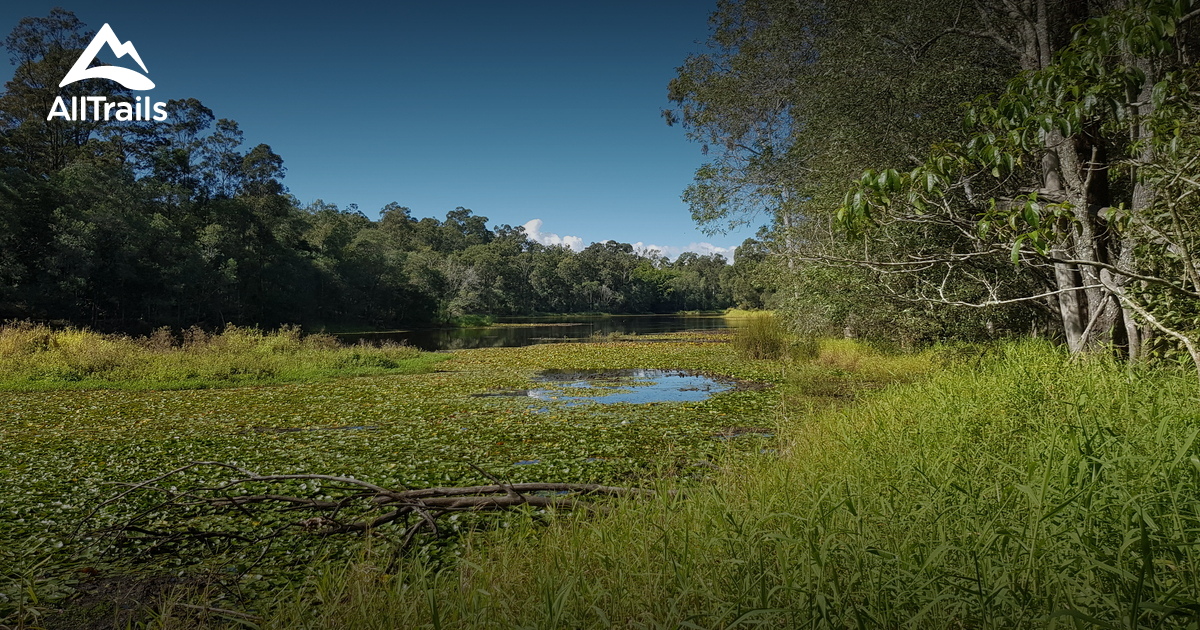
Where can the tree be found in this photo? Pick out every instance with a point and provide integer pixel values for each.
(793, 98)
(133, 225)
(1077, 172)
(43, 50)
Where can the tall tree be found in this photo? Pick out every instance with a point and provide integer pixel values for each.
(792, 99)
(43, 49)
(1062, 172)
(1069, 171)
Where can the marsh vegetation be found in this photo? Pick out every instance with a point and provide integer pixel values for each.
(38, 357)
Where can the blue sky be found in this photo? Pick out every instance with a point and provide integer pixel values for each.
(521, 111)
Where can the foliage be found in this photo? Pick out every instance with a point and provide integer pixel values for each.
(741, 313)
(36, 357)
(473, 321)
(762, 337)
(1076, 170)
(792, 99)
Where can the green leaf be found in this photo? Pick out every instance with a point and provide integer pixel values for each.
(1029, 213)
(982, 227)
(1158, 95)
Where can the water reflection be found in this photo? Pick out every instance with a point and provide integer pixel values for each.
(534, 330)
(609, 387)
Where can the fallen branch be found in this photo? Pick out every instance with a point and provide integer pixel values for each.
(359, 507)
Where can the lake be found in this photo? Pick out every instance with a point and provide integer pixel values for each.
(525, 331)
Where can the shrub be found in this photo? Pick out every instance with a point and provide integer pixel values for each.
(161, 339)
(23, 338)
(761, 338)
(35, 356)
(472, 321)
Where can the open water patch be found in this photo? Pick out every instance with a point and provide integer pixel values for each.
(636, 387)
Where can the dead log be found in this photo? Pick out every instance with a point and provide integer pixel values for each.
(359, 507)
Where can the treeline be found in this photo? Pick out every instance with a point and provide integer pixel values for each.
(134, 225)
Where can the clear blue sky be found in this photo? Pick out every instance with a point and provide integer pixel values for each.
(518, 110)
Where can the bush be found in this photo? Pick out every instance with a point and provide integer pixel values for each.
(761, 338)
(805, 348)
(472, 321)
(35, 356)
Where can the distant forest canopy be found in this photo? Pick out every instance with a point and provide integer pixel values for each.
(135, 225)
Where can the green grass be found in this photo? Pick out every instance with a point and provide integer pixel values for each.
(965, 487)
(38, 358)
(762, 336)
(1013, 489)
(741, 313)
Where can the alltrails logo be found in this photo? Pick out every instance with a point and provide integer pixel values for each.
(99, 107)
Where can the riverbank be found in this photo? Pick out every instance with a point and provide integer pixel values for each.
(523, 331)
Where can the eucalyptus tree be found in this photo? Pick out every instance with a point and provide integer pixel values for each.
(1079, 171)
(793, 99)
(1083, 172)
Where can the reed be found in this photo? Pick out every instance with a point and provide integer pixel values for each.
(38, 357)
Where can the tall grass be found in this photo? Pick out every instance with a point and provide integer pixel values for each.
(37, 357)
(762, 335)
(742, 313)
(1019, 490)
(760, 338)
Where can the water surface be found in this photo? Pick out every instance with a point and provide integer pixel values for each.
(610, 387)
(534, 330)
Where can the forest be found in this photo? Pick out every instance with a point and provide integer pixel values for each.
(130, 226)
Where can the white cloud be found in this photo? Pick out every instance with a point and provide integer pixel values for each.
(533, 229)
(673, 252)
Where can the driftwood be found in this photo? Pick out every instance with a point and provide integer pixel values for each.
(360, 507)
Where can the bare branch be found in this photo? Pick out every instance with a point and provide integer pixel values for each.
(370, 506)
(1124, 272)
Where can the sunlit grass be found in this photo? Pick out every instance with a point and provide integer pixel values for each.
(36, 357)
(762, 337)
(741, 313)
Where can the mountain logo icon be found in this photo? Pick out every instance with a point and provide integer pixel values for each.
(131, 79)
